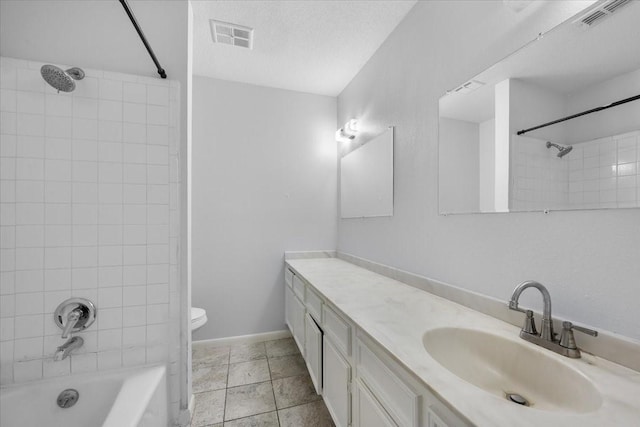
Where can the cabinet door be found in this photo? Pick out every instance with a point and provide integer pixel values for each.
(369, 413)
(288, 307)
(336, 374)
(313, 351)
(298, 323)
(435, 420)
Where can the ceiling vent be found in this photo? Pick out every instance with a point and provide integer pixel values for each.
(233, 34)
(604, 9)
(467, 87)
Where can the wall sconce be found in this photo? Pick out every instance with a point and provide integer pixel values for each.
(348, 131)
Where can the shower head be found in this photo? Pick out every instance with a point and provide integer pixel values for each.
(60, 79)
(562, 151)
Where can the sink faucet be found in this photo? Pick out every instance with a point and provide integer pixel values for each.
(547, 321)
(65, 349)
(566, 345)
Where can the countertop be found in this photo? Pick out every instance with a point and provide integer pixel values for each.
(397, 315)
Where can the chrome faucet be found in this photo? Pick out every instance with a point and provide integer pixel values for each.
(547, 322)
(65, 349)
(566, 345)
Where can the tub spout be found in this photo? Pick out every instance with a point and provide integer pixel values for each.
(65, 349)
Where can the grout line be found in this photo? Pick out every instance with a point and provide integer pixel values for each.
(275, 402)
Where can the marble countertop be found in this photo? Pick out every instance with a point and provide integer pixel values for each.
(397, 315)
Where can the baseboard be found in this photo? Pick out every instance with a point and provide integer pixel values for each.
(245, 339)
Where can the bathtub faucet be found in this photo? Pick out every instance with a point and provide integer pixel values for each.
(65, 349)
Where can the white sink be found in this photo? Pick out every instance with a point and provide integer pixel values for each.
(502, 366)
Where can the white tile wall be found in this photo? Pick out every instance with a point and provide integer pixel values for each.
(538, 178)
(602, 173)
(88, 208)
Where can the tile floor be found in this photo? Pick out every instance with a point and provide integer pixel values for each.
(262, 384)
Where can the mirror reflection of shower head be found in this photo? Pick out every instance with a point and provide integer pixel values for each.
(60, 79)
(562, 151)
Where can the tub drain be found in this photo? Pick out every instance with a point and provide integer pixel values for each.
(516, 398)
(68, 398)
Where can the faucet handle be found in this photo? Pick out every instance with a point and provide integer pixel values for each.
(72, 320)
(567, 339)
(582, 329)
(529, 323)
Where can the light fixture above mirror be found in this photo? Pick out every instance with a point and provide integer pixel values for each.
(348, 132)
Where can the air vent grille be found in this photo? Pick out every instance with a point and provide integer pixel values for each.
(232, 34)
(467, 87)
(603, 10)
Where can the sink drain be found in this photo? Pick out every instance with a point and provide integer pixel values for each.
(68, 398)
(516, 398)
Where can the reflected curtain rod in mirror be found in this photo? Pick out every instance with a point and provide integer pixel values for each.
(584, 113)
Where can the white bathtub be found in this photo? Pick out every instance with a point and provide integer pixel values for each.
(123, 398)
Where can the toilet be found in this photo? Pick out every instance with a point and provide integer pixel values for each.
(198, 318)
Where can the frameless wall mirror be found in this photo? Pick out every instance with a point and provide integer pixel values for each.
(556, 125)
(366, 179)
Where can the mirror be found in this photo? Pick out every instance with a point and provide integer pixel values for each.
(497, 150)
(366, 179)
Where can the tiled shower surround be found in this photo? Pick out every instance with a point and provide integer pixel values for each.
(602, 173)
(89, 203)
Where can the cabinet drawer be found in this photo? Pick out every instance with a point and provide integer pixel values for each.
(314, 305)
(288, 277)
(400, 401)
(337, 329)
(298, 287)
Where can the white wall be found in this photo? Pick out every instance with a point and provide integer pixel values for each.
(588, 259)
(87, 198)
(264, 181)
(614, 121)
(487, 148)
(531, 105)
(460, 168)
(98, 34)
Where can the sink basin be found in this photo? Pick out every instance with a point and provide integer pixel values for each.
(503, 367)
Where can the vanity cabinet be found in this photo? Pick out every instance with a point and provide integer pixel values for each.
(398, 398)
(336, 384)
(361, 384)
(368, 411)
(294, 311)
(288, 307)
(313, 351)
(297, 315)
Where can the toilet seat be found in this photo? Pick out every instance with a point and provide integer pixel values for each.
(198, 318)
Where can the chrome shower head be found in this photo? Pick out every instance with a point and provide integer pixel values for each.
(60, 79)
(562, 151)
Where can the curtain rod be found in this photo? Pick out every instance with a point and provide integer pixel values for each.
(593, 110)
(143, 38)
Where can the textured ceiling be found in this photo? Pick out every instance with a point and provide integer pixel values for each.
(309, 46)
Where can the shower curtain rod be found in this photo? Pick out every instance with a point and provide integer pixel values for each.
(573, 116)
(143, 38)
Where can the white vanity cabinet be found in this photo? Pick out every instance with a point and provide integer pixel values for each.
(297, 315)
(367, 410)
(313, 351)
(361, 384)
(294, 311)
(336, 384)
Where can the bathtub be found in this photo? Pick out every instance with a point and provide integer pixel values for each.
(123, 398)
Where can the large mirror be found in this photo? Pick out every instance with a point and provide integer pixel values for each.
(554, 126)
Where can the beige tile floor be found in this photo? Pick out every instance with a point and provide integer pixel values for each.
(263, 384)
